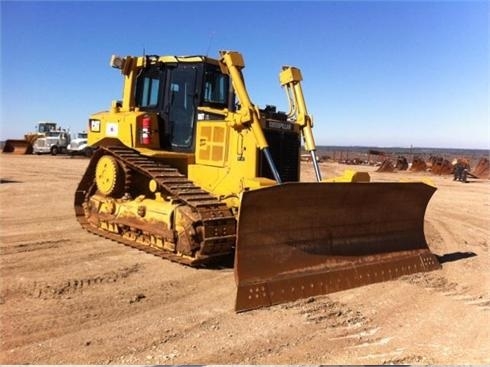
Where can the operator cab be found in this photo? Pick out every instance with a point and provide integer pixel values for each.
(173, 91)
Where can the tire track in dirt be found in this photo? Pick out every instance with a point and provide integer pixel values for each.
(188, 328)
(466, 217)
(328, 313)
(32, 246)
(103, 307)
(22, 222)
(412, 359)
(171, 335)
(304, 324)
(348, 325)
(53, 290)
(443, 233)
(434, 282)
(191, 328)
(53, 257)
(440, 233)
(46, 290)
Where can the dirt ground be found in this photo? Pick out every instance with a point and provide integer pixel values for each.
(69, 297)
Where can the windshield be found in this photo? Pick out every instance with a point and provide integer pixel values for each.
(215, 88)
(45, 127)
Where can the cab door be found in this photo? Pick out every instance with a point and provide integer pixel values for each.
(150, 95)
(181, 105)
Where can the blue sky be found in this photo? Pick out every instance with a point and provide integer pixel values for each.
(375, 73)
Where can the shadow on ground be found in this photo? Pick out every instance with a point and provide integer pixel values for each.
(6, 180)
(455, 256)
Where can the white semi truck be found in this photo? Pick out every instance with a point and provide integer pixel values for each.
(54, 142)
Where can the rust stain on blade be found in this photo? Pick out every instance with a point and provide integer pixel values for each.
(303, 239)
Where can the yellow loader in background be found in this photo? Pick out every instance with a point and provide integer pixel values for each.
(189, 169)
(25, 146)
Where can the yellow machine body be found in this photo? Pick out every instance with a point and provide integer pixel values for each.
(224, 159)
(189, 169)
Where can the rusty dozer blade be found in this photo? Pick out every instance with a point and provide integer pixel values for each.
(17, 146)
(298, 240)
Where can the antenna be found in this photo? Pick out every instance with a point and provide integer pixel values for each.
(144, 51)
(211, 36)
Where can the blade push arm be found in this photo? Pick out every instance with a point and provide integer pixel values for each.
(290, 78)
(247, 116)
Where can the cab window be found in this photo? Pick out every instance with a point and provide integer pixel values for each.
(215, 88)
(149, 91)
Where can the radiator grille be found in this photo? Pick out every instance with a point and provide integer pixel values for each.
(284, 147)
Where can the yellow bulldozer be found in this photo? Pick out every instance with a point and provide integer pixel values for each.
(25, 146)
(189, 169)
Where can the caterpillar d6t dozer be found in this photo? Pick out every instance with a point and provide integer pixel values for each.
(187, 168)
